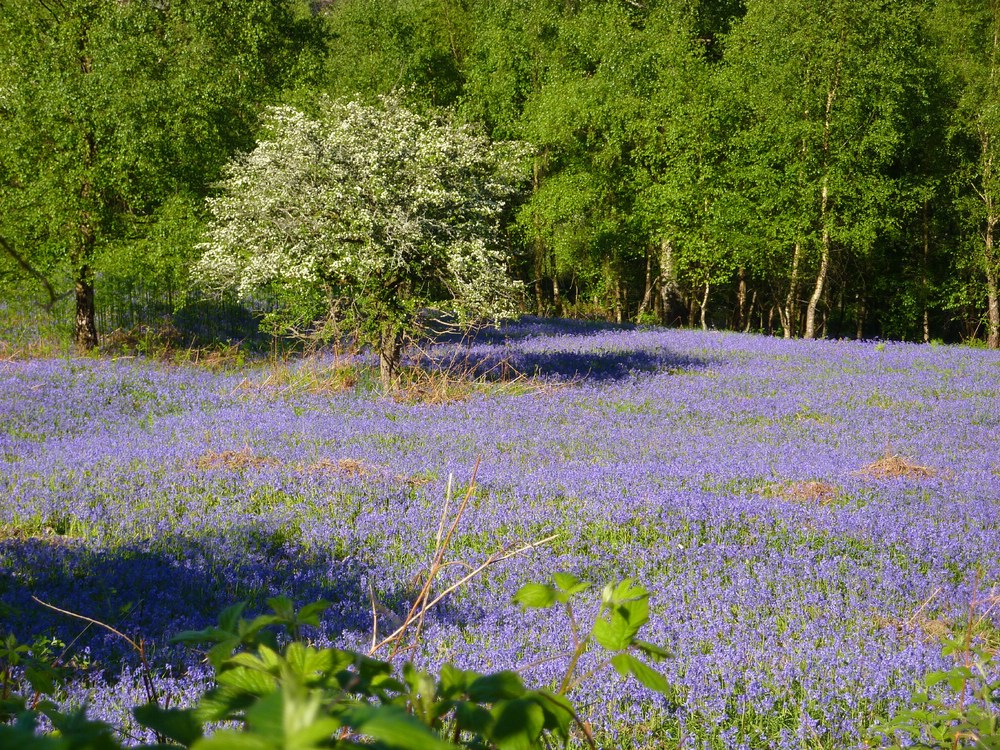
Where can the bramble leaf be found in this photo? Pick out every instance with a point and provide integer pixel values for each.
(626, 665)
(518, 724)
(535, 595)
(179, 725)
(495, 687)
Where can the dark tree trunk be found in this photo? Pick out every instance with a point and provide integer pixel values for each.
(390, 355)
(86, 317)
(671, 298)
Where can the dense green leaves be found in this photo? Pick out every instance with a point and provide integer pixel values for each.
(814, 168)
(111, 114)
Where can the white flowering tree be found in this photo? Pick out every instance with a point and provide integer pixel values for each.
(371, 213)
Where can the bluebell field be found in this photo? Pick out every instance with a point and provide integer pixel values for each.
(801, 578)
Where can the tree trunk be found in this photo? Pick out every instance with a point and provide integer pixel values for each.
(741, 299)
(704, 308)
(85, 333)
(538, 245)
(86, 313)
(792, 300)
(647, 294)
(753, 301)
(924, 292)
(390, 355)
(992, 287)
(556, 295)
(619, 303)
(670, 292)
(824, 265)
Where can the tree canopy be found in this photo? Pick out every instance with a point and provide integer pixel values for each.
(789, 166)
(111, 111)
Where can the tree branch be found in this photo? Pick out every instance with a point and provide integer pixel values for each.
(34, 272)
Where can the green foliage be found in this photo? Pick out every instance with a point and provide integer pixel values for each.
(967, 715)
(378, 47)
(624, 610)
(275, 690)
(114, 116)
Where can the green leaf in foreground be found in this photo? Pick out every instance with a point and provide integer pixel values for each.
(535, 595)
(393, 728)
(518, 725)
(626, 665)
(496, 687)
(179, 725)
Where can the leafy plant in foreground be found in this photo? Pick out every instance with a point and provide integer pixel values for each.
(973, 721)
(275, 690)
(968, 716)
(624, 610)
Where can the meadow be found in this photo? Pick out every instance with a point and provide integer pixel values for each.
(813, 517)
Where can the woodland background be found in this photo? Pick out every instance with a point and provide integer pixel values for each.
(794, 167)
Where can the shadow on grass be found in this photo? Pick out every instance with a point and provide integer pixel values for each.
(553, 350)
(151, 591)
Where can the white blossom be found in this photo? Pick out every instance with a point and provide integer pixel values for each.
(377, 204)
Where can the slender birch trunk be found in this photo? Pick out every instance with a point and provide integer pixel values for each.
(704, 307)
(992, 284)
(824, 266)
(670, 291)
(991, 261)
(647, 294)
(925, 262)
(791, 311)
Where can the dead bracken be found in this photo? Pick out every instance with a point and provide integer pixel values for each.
(352, 468)
(892, 466)
(809, 492)
(241, 459)
(347, 467)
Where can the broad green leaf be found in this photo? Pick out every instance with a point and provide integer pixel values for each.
(616, 630)
(626, 664)
(422, 691)
(453, 681)
(393, 728)
(229, 617)
(283, 607)
(222, 702)
(177, 724)
(208, 635)
(654, 652)
(517, 724)
(250, 680)
(309, 614)
(218, 654)
(473, 717)
(559, 712)
(535, 595)
(248, 629)
(41, 678)
(306, 662)
(229, 740)
(568, 585)
(495, 687)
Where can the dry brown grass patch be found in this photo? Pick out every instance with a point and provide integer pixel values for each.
(352, 468)
(347, 467)
(930, 629)
(811, 491)
(310, 377)
(892, 466)
(241, 459)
